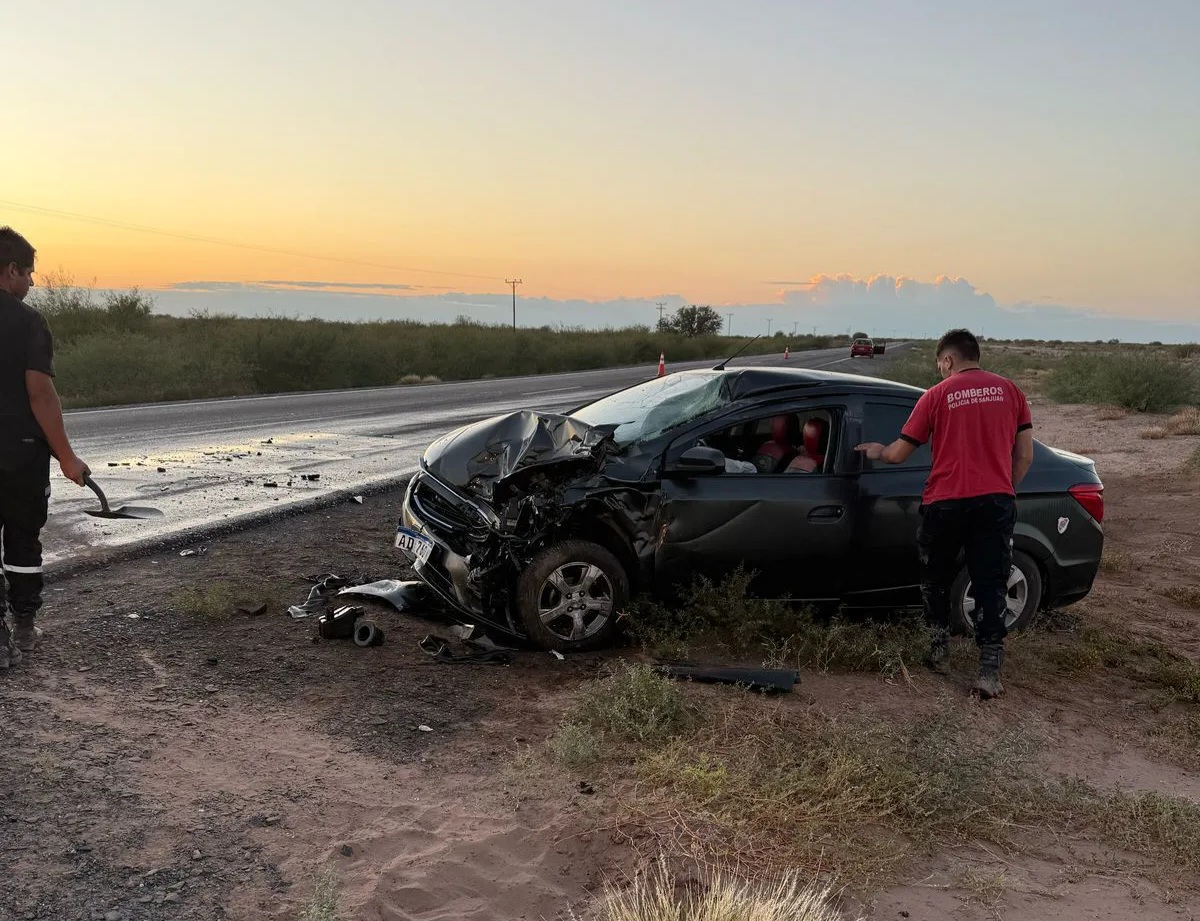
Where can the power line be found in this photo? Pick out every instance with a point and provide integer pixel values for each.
(514, 282)
(196, 238)
(662, 305)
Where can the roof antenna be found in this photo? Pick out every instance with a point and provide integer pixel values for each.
(721, 366)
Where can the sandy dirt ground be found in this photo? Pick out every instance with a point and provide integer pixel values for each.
(161, 758)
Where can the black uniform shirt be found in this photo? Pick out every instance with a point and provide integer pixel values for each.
(25, 345)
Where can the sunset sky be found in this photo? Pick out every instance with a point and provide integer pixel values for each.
(724, 152)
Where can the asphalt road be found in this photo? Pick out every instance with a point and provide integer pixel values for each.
(205, 462)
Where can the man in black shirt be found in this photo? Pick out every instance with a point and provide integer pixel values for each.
(31, 430)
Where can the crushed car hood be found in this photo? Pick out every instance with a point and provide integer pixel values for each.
(480, 456)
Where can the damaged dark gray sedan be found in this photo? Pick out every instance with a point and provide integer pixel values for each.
(545, 525)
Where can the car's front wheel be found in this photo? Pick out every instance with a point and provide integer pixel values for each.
(570, 596)
(1022, 600)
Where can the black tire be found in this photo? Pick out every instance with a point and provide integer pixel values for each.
(588, 620)
(1027, 590)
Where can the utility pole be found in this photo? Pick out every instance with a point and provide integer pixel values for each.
(662, 305)
(729, 324)
(514, 282)
(795, 326)
(769, 319)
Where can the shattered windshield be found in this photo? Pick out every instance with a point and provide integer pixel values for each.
(650, 409)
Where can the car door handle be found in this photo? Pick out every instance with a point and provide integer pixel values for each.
(826, 513)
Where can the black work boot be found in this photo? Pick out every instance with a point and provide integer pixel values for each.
(10, 655)
(25, 635)
(991, 660)
(939, 651)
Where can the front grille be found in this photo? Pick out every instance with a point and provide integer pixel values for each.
(455, 520)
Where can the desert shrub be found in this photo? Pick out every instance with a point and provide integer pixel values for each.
(1142, 382)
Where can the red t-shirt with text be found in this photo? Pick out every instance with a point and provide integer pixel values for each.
(972, 419)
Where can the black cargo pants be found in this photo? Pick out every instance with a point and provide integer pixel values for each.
(24, 499)
(982, 529)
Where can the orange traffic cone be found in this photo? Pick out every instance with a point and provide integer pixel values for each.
(662, 364)
(787, 353)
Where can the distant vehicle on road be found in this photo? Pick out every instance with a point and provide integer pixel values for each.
(546, 525)
(863, 347)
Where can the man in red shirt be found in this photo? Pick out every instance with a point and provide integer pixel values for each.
(982, 444)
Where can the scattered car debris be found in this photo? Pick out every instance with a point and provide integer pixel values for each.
(358, 499)
(340, 625)
(311, 477)
(270, 484)
(269, 441)
(558, 655)
(367, 633)
(765, 679)
(198, 551)
(403, 596)
(162, 469)
(424, 728)
(251, 610)
(439, 649)
(314, 605)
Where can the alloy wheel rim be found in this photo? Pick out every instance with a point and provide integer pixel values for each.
(576, 601)
(1015, 600)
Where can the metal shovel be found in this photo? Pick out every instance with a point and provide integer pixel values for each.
(125, 511)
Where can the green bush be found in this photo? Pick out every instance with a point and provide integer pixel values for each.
(114, 350)
(1143, 382)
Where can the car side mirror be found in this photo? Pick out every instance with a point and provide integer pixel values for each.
(698, 461)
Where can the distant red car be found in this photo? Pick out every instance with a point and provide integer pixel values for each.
(862, 347)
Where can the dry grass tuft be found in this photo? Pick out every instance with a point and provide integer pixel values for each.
(658, 895)
(1188, 595)
(1185, 422)
(323, 905)
(1154, 433)
(1112, 413)
(1113, 559)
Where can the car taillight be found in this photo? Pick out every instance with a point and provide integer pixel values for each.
(1091, 497)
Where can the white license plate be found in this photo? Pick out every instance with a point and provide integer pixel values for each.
(417, 546)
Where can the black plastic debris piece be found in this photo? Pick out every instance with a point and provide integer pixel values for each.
(763, 679)
(367, 633)
(340, 625)
(251, 610)
(270, 484)
(311, 477)
(439, 649)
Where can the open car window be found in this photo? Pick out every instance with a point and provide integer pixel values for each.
(775, 444)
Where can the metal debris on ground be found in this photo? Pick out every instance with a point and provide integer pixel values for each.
(314, 605)
(196, 552)
(403, 596)
(439, 649)
(764, 679)
(367, 633)
(558, 655)
(358, 499)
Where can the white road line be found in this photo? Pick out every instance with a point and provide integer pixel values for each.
(534, 393)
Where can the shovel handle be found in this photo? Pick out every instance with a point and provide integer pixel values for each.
(91, 484)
